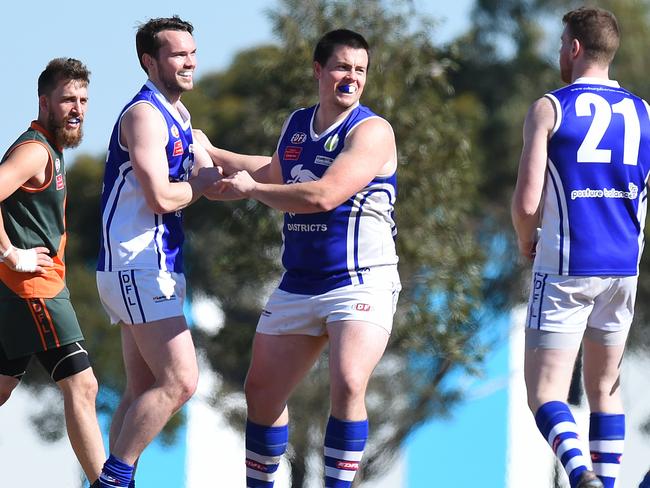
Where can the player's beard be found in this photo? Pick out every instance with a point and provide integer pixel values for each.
(65, 137)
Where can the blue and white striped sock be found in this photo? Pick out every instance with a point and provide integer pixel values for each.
(115, 473)
(557, 425)
(344, 445)
(264, 449)
(606, 442)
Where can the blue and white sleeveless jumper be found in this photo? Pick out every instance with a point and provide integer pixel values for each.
(328, 250)
(595, 199)
(133, 236)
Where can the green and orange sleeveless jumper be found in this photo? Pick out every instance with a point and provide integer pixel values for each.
(35, 309)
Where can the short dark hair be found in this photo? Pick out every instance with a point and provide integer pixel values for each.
(339, 37)
(61, 69)
(597, 30)
(146, 39)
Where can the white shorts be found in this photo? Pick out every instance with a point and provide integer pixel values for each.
(138, 296)
(562, 309)
(291, 313)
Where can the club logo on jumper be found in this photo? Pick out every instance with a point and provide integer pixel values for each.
(299, 175)
(292, 153)
(188, 166)
(323, 160)
(59, 182)
(298, 138)
(361, 307)
(347, 465)
(331, 143)
(174, 131)
(178, 148)
(57, 165)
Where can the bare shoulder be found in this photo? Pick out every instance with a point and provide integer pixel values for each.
(142, 121)
(142, 112)
(32, 151)
(26, 161)
(541, 113)
(30, 157)
(372, 131)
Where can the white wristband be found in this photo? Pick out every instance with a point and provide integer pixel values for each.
(6, 253)
(27, 260)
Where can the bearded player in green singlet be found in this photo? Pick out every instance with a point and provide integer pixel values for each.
(37, 316)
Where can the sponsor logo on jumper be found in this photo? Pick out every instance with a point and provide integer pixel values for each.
(323, 160)
(292, 153)
(631, 194)
(347, 465)
(331, 142)
(307, 227)
(266, 313)
(298, 138)
(178, 148)
(57, 165)
(59, 182)
(174, 131)
(361, 307)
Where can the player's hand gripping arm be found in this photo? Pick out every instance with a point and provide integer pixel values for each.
(527, 198)
(26, 163)
(369, 151)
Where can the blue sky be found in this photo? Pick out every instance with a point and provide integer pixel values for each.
(102, 35)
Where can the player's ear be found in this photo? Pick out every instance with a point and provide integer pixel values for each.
(43, 103)
(148, 62)
(575, 47)
(318, 69)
